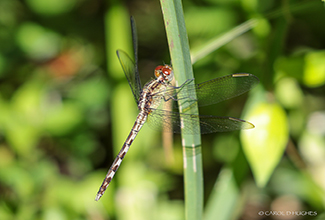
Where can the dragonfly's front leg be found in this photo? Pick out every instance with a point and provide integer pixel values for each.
(177, 90)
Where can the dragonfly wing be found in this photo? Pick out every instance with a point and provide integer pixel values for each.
(210, 124)
(215, 90)
(171, 122)
(223, 88)
(135, 51)
(129, 66)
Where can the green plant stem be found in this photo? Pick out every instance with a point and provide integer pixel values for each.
(181, 60)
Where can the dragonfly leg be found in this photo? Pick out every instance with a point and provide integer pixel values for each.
(178, 89)
(187, 82)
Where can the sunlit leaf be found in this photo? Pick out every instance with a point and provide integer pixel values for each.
(288, 92)
(314, 72)
(262, 28)
(265, 144)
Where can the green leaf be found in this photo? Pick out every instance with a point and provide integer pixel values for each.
(314, 71)
(225, 199)
(264, 145)
(289, 93)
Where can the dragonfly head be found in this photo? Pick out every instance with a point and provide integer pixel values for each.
(166, 72)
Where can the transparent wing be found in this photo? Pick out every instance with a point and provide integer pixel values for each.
(129, 66)
(171, 122)
(212, 91)
(135, 50)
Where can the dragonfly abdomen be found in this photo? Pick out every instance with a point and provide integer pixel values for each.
(142, 116)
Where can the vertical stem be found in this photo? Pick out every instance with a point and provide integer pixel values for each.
(181, 60)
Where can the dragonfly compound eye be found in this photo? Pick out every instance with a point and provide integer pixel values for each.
(158, 71)
(168, 72)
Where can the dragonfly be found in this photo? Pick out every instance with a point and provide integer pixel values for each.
(160, 90)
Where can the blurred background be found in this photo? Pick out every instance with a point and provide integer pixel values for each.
(66, 110)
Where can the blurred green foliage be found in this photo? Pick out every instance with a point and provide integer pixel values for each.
(66, 109)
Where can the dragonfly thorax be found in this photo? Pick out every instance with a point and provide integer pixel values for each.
(166, 72)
